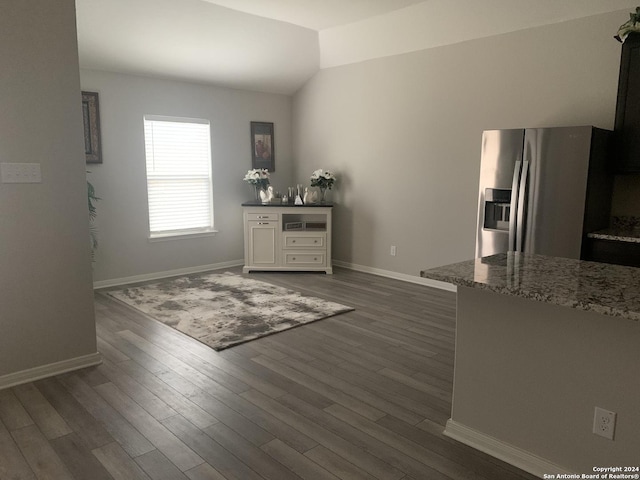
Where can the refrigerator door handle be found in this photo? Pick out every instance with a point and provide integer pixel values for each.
(514, 206)
(522, 199)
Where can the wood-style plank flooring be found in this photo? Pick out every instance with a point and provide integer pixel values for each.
(363, 395)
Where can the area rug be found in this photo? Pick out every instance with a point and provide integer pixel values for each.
(224, 309)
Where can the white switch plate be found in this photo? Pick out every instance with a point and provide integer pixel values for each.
(20, 173)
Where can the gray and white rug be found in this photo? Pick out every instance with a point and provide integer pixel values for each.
(223, 310)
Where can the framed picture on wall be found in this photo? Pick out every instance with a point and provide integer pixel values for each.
(91, 119)
(262, 146)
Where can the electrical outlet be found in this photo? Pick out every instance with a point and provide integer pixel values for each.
(604, 423)
(393, 251)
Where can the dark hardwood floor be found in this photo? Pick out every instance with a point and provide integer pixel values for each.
(363, 395)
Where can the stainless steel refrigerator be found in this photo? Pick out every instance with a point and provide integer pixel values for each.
(543, 189)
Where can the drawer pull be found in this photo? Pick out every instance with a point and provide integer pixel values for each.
(293, 241)
(315, 259)
(263, 223)
(294, 258)
(315, 241)
(262, 216)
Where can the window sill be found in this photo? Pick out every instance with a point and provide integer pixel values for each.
(164, 237)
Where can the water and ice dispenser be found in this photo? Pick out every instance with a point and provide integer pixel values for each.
(497, 208)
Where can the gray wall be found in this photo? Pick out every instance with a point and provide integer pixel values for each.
(124, 249)
(403, 133)
(46, 300)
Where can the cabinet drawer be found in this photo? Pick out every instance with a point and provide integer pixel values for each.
(296, 240)
(262, 216)
(612, 251)
(300, 259)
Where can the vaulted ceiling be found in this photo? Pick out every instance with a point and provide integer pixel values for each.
(277, 45)
(316, 14)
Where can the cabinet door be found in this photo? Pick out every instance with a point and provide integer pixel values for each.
(627, 126)
(263, 248)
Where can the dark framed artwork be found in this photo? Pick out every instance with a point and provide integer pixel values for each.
(91, 119)
(262, 146)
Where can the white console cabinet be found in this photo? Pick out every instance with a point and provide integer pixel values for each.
(287, 237)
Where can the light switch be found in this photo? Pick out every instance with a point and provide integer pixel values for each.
(20, 173)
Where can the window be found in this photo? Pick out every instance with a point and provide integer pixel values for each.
(179, 187)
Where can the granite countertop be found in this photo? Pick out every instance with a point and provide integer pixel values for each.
(254, 203)
(597, 287)
(629, 235)
(622, 229)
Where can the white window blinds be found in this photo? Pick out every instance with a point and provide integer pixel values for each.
(179, 187)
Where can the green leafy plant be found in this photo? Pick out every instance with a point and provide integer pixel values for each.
(93, 234)
(632, 25)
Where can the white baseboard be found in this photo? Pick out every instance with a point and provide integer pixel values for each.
(398, 276)
(507, 453)
(49, 370)
(114, 282)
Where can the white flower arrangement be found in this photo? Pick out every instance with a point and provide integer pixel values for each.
(322, 179)
(258, 177)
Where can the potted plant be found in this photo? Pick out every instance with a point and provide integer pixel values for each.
(259, 178)
(630, 26)
(93, 235)
(323, 180)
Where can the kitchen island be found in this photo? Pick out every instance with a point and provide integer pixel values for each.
(540, 342)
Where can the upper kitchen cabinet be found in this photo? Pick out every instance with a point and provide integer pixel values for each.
(627, 126)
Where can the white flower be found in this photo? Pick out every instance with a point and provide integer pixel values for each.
(257, 176)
